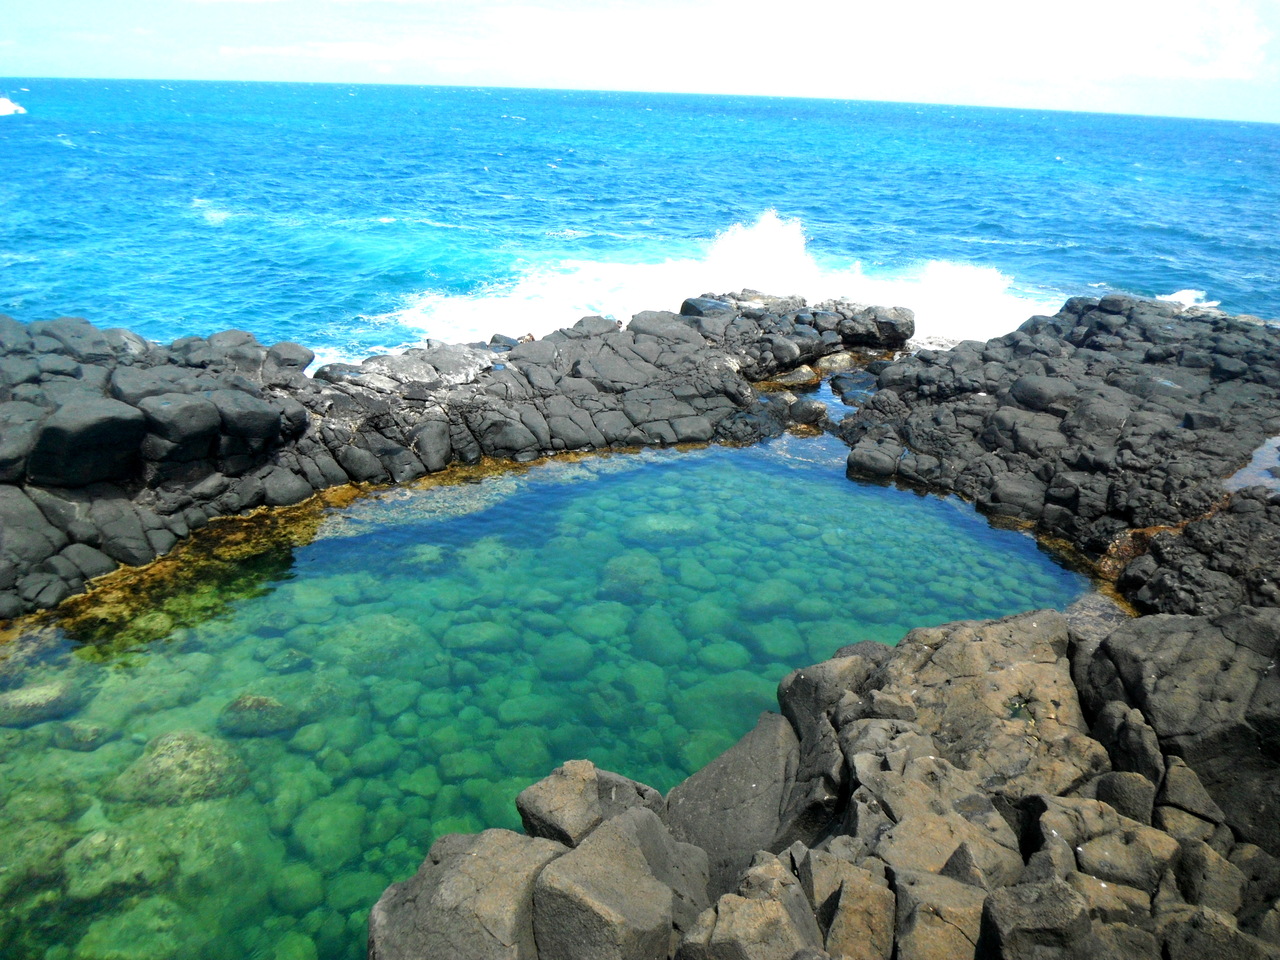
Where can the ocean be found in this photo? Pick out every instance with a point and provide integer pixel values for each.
(361, 219)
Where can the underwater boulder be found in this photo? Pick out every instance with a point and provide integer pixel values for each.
(114, 861)
(329, 832)
(250, 715)
(37, 702)
(180, 767)
(33, 857)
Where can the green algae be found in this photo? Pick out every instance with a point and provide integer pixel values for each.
(255, 752)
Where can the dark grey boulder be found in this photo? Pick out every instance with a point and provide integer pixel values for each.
(576, 798)
(1049, 394)
(773, 878)
(1035, 921)
(431, 444)
(282, 487)
(874, 460)
(664, 326)
(131, 385)
(90, 561)
(76, 337)
(1207, 879)
(360, 465)
(1132, 794)
(732, 807)
(181, 418)
(1208, 688)
(472, 899)
(291, 356)
(937, 918)
(244, 415)
(17, 370)
(1182, 788)
(26, 536)
(623, 894)
(704, 306)
(14, 337)
(875, 326)
(87, 442)
(123, 534)
(1205, 934)
(19, 424)
(1129, 740)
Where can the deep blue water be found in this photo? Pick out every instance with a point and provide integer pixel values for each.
(357, 218)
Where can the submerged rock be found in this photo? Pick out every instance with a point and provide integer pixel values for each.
(38, 702)
(182, 767)
(114, 861)
(154, 929)
(251, 715)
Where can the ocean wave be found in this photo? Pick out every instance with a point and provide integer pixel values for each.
(952, 301)
(1189, 298)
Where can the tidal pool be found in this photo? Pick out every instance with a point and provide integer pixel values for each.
(284, 744)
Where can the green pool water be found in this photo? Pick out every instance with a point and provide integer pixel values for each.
(248, 783)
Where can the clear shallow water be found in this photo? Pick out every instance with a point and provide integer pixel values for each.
(431, 653)
(360, 218)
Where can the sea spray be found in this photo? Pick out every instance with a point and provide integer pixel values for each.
(772, 254)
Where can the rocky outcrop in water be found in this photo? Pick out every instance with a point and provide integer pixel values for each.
(113, 448)
(1110, 417)
(1041, 786)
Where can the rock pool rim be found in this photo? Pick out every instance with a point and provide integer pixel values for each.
(116, 447)
(89, 618)
(96, 619)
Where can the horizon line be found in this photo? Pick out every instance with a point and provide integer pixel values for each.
(655, 93)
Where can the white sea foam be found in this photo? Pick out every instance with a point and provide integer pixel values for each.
(952, 301)
(212, 215)
(1189, 298)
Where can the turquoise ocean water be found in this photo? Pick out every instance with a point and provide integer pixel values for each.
(246, 764)
(361, 218)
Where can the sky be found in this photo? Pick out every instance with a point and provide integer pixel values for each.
(1189, 58)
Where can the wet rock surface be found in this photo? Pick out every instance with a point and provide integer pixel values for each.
(1046, 785)
(1110, 425)
(112, 448)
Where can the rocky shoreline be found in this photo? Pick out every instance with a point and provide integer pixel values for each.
(113, 448)
(1048, 785)
(1076, 785)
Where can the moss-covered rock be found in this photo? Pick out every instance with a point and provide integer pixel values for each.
(329, 831)
(252, 715)
(298, 888)
(38, 702)
(564, 657)
(115, 861)
(180, 767)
